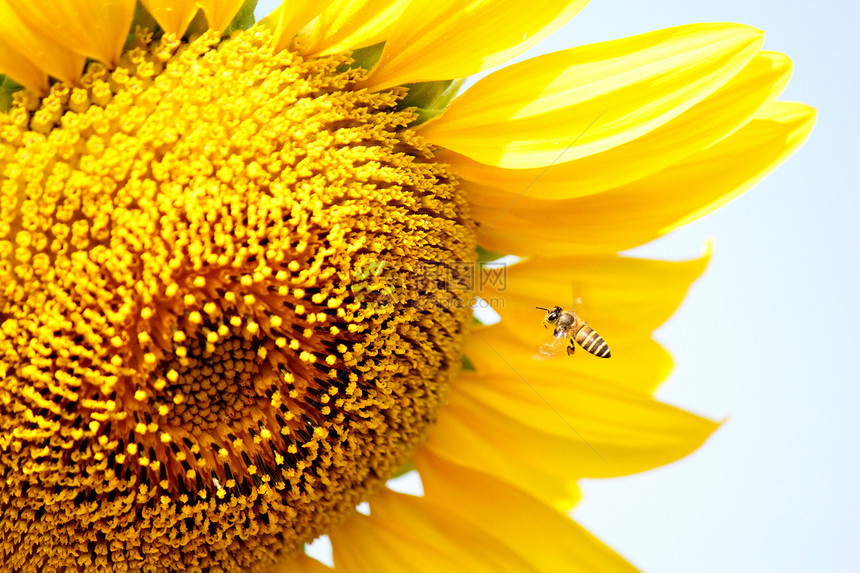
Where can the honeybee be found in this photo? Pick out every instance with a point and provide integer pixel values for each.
(568, 325)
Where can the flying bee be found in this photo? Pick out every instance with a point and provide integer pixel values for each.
(568, 325)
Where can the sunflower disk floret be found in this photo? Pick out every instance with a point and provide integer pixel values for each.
(193, 355)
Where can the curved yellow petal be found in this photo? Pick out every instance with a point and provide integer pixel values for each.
(499, 355)
(543, 536)
(641, 211)
(710, 120)
(293, 15)
(443, 39)
(638, 366)
(219, 13)
(352, 24)
(42, 51)
(301, 563)
(513, 425)
(173, 16)
(20, 69)
(93, 28)
(404, 532)
(623, 298)
(578, 102)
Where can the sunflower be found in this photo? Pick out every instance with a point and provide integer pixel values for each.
(238, 265)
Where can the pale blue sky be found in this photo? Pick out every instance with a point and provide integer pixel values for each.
(766, 338)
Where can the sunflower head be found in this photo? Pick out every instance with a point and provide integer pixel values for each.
(197, 346)
(237, 262)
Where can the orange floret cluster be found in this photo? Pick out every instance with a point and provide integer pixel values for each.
(189, 379)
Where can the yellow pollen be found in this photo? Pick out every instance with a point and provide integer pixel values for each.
(201, 348)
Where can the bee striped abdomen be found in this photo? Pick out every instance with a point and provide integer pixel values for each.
(592, 342)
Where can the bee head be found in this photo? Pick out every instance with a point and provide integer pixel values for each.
(552, 314)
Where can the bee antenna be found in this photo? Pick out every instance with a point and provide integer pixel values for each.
(542, 308)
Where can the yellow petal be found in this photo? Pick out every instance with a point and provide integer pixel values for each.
(404, 532)
(442, 39)
(710, 120)
(219, 13)
(293, 15)
(465, 430)
(561, 427)
(352, 24)
(173, 16)
(543, 536)
(639, 212)
(20, 69)
(578, 102)
(623, 298)
(638, 367)
(93, 28)
(43, 52)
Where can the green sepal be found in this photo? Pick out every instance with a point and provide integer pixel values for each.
(422, 95)
(198, 25)
(365, 58)
(466, 364)
(404, 469)
(486, 255)
(7, 88)
(244, 18)
(430, 98)
(143, 20)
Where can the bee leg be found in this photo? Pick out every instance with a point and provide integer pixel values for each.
(571, 349)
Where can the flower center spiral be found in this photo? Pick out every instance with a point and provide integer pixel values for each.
(228, 310)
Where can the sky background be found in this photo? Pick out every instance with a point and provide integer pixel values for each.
(768, 338)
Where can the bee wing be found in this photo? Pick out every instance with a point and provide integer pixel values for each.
(551, 348)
